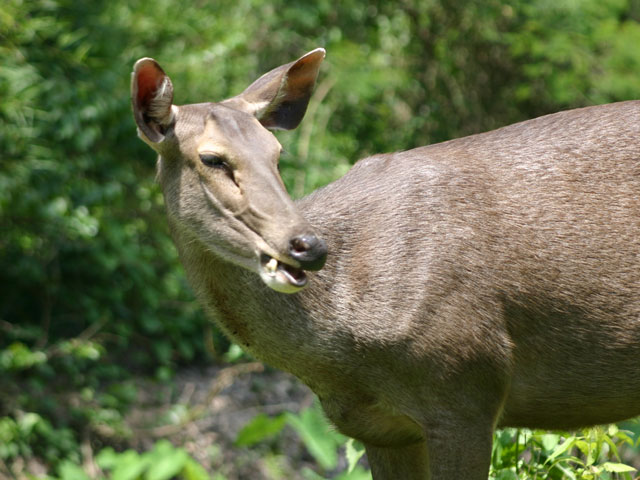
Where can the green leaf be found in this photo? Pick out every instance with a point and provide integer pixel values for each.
(625, 436)
(617, 467)
(358, 473)
(566, 445)
(588, 448)
(549, 441)
(194, 471)
(259, 428)
(19, 357)
(566, 471)
(234, 353)
(317, 436)
(70, 471)
(613, 447)
(354, 451)
(507, 475)
(309, 474)
(167, 467)
(107, 458)
(129, 466)
(28, 421)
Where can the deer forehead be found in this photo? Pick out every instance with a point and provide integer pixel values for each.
(236, 135)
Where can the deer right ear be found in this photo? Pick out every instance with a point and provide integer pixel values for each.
(280, 97)
(151, 99)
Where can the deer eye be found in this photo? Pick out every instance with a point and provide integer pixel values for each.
(214, 161)
(211, 160)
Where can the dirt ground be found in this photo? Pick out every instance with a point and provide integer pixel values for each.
(204, 409)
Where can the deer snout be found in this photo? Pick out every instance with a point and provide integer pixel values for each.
(309, 250)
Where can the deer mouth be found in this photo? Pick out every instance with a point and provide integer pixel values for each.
(281, 276)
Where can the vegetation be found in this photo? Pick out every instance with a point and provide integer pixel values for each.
(93, 297)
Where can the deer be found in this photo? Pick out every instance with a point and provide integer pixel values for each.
(429, 296)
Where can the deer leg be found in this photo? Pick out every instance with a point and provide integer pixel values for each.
(393, 463)
(461, 451)
(449, 453)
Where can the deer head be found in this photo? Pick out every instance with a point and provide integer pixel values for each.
(218, 169)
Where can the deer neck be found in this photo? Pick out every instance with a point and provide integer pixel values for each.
(274, 327)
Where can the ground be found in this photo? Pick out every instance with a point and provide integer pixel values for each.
(204, 409)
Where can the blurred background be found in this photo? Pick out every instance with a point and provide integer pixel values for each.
(96, 319)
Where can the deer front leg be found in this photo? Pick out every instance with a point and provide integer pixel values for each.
(459, 451)
(448, 453)
(393, 463)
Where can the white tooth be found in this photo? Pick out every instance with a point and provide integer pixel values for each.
(271, 266)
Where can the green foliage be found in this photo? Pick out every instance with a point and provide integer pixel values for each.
(354, 451)
(163, 462)
(91, 286)
(318, 436)
(31, 434)
(589, 455)
(259, 429)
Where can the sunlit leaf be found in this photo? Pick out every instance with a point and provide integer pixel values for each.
(194, 471)
(129, 466)
(315, 432)
(353, 451)
(165, 463)
(260, 428)
(617, 467)
(71, 471)
(562, 448)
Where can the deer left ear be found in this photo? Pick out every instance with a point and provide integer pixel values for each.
(280, 97)
(151, 99)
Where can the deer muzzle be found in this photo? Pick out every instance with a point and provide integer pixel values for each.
(310, 253)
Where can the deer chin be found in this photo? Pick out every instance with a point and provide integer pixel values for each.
(281, 276)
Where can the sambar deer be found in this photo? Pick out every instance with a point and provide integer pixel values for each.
(483, 282)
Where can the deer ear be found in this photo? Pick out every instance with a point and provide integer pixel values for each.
(151, 99)
(280, 97)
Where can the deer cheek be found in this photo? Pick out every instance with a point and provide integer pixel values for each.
(229, 194)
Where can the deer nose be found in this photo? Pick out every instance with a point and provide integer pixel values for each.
(309, 250)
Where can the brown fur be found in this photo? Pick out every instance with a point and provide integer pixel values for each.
(484, 282)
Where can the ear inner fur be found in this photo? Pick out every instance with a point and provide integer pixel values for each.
(152, 97)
